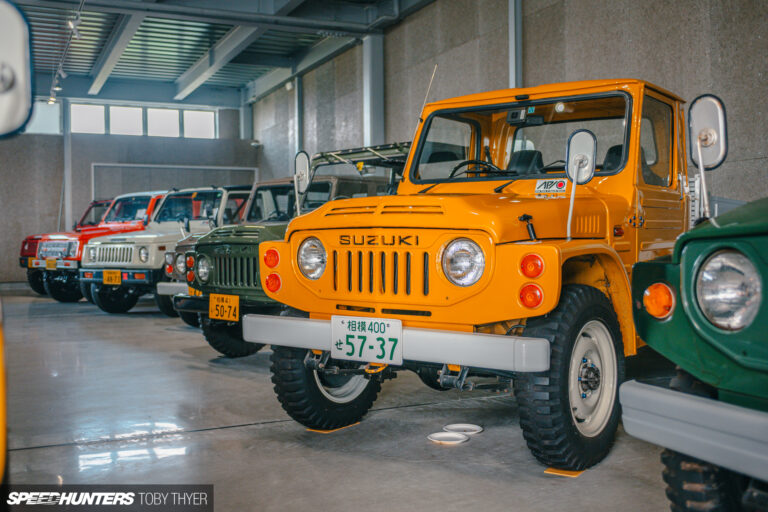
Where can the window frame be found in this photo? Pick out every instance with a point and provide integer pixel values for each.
(650, 93)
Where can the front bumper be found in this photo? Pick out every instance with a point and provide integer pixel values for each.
(172, 288)
(190, 304)
(132, 277)
(724, 434)
(46, 264)
(487, 351)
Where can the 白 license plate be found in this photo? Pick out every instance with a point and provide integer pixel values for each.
(370, 340)
(50, 263)
(224, 307)
(112, 277)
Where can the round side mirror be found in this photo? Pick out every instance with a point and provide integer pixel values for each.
(580, 157)
(301, 172)
(707, 127)
(15, 70)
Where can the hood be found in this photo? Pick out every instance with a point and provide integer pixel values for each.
(245, 234)
(155, 233)
(496, 214)
(746, 220)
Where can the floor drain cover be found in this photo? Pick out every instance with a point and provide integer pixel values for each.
(463, 428)
(448, 437)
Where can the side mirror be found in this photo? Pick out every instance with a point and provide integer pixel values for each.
(145, 220)
(301, 172)
(707, 134)
(580, 157)
(15, 70)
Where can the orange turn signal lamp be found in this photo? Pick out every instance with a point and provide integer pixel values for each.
(271, 258)
(531, 296)
(659, 300)
(190, 276)
(169, 269)
(532, 265)
(273, 282)
(190, 262)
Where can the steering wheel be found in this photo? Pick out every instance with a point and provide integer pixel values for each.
(340, 197)
(490, 167)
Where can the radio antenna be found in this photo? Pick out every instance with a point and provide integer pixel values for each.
(426, 97)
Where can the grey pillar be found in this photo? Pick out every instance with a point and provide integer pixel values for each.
(515, 43)
(373, 90)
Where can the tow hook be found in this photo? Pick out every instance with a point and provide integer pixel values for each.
(459, 381)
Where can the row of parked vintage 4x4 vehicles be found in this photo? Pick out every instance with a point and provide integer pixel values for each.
(528, 239)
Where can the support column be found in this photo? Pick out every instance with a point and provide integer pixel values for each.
(515, 43)
(246, 117)
(373, 90)
(67, 184)
(298, 107)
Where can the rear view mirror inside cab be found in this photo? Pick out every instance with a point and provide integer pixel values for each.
(15, 70)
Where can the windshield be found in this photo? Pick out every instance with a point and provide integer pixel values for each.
(192, 205)
(276, 202)
(94, 213)
(528, 141)
(127, 209)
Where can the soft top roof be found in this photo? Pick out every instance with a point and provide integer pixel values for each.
(383, 155)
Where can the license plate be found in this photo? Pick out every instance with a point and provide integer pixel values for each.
(224, 307)
(370, 340)
(50, 263)
(112, 277)
(194, 293)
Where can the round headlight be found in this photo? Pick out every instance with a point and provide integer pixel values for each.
(92, 253)
(180, 264)
(729, 290)
(143, 254)
(312, 258)
(203, 269)
(463, 262)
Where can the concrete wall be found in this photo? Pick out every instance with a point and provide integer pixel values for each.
(690, 47)
(31, 170)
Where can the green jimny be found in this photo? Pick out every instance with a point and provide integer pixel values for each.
(703, 309)
(225, 262)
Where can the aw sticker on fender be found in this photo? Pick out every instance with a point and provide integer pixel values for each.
(556, 186)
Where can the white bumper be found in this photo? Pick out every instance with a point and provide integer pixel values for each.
(172, 288)
(493, 352)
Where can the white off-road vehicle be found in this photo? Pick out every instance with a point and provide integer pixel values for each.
(122, 268)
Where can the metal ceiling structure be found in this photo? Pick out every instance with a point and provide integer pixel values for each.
(202, 52)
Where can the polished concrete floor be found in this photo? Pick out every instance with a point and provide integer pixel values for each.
(141, 398)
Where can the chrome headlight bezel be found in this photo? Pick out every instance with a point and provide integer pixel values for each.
(180, 264)
(169, 257)
(728, 290)
(203, 269)
(472, 259)
(312, 258)
(92, 253)
(143, 254)
(72, 249)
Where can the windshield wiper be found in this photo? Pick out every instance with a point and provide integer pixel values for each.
(501, 187)
(429, 187)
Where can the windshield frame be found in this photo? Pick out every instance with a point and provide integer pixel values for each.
(628, 114)
(95, 204)
(159, 207)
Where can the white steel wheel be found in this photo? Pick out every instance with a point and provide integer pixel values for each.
(592, 379)
(340, 389)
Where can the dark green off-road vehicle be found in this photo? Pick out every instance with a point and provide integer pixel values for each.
(224, 265)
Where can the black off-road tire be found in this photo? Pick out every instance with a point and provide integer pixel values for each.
(546, 418)
(85, 289)
(300, 395)
(62, 286)
(430, 376)
(226, 338)
(191, 319)
(35, 280)
(113, 299)
(695, 485)
(165, 305)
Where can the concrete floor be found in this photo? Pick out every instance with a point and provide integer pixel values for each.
(141, 398)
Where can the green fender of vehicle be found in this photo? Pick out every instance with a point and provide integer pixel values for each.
(734, 362)
(239, 246)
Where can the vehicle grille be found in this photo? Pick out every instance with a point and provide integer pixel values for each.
(114, 254)
(236, 271)
(380, 272)
(55, 249)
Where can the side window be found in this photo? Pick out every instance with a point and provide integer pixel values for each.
(656, 142)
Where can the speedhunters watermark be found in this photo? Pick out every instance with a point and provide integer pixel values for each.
(128, 498)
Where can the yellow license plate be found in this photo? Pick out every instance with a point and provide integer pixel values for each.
(194, 293)
(112, 277)
(224, 307)
(50, 263)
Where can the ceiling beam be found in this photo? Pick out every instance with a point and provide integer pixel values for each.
(221, 53)
(118, 41)
(264, 59)
(312, 58)
(213, 15)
